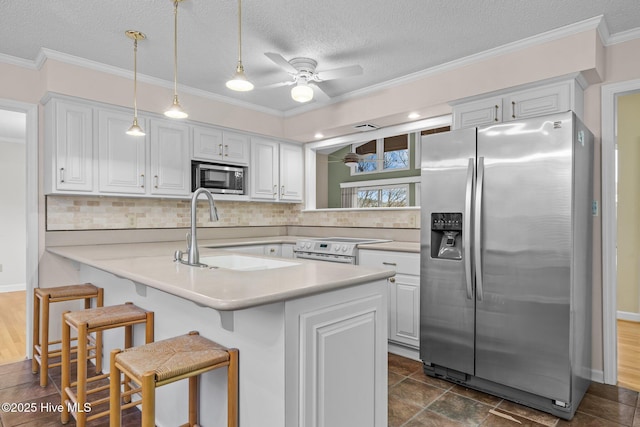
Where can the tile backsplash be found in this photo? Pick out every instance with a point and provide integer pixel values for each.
(117, 213)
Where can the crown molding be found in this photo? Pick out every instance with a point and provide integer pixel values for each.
(46, 54)
(19, 62)
(623, 36)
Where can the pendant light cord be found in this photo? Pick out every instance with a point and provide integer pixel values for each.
(135, 78)
(239, 31)
(175, 48)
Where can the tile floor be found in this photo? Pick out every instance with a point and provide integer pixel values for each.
(415, 400)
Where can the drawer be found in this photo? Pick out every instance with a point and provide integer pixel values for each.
(402, 262)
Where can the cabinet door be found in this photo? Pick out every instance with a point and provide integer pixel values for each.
(478, 113)
(122, 157)
(207, 143)
(291, 172)
(235, 148)
(537, 102)
(170, 163)
(264, 169)
(73, 139)
(404, 313)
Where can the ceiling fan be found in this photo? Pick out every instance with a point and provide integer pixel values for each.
(305, 77)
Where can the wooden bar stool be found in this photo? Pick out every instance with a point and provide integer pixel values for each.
(86, 322)
(42, 297)
(163, 362)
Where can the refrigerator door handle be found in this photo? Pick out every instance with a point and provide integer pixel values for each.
(477, 228)
(467, 228)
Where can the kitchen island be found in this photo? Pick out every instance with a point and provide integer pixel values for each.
(312, 336)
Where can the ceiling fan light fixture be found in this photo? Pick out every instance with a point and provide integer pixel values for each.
(135, 129)
(302, 92)
(175, 111)
(239, 82)
(351, 159)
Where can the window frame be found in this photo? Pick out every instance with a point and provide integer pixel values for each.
(380, 156)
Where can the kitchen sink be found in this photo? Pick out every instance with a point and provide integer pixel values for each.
(244, 263)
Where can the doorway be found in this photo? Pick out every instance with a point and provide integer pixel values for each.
(619, 270)
(18, 225)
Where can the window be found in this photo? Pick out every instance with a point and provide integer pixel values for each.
(382, 155)
(391, 196)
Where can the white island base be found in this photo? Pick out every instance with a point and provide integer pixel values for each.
(318, 360)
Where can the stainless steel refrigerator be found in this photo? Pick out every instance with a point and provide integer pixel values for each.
(506, 244)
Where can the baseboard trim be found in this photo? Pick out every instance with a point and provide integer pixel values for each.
(597, 376)
(401, 350)
(13, 288)
(626, 315)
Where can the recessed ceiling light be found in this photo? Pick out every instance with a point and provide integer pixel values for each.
(318, 135)
(413, 115)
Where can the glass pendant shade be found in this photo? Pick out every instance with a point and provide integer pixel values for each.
(239, 82)
(175, 111)
(135, 129)
(302, 92)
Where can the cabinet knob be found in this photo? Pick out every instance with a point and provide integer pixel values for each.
(392, 279)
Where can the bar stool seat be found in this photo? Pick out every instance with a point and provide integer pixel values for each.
(163, 362)
(87, 322)
(42, 298)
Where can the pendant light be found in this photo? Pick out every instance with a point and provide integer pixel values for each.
(239, 82)
(175, 111)
(135, 129)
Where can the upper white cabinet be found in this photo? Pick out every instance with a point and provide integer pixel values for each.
(122, 158)
(170, 161)
(516, 105)
(68, 146)
(217, 145)
(276, 170)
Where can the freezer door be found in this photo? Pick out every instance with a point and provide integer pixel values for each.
(523, 284)
(446, 288)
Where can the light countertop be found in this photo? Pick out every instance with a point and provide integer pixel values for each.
(152, 264)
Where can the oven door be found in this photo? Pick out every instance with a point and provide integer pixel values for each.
(342, 259)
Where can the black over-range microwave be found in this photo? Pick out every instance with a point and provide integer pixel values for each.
(217, 178)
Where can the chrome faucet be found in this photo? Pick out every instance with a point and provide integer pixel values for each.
(193, 256)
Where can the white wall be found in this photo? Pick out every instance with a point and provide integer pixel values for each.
(12, 216)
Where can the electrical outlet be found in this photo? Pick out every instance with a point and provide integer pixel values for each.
(132, 220)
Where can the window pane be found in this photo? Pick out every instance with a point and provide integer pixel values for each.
(394, 197)
(396, 152)
(368, 198)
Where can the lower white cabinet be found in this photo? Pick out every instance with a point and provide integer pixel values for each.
(404, 293)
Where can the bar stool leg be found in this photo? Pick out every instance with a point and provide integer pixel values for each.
(81, 388)
(66, 362)
(98, 350)
(44, 344)
(232, 388)
(148, 399)
(193, 400)
(36, 331)
(115, 411)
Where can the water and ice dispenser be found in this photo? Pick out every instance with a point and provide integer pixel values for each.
(446, 235)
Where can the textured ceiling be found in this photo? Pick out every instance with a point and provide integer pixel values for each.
(388, 38)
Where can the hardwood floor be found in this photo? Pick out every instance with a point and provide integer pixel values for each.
(629, 354)
(12, 329)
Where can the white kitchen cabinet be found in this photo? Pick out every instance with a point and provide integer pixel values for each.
(291, 172)
(216, 145)
(122, 158)
(272, 249)
(286, 251)
(68, 146)
(170, 170)
(276, 170)
(520, 104)
(404, 293)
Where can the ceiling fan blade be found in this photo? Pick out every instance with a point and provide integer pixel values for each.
(281, 62)
(318, 93)
(280, 84)
(337, 73)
